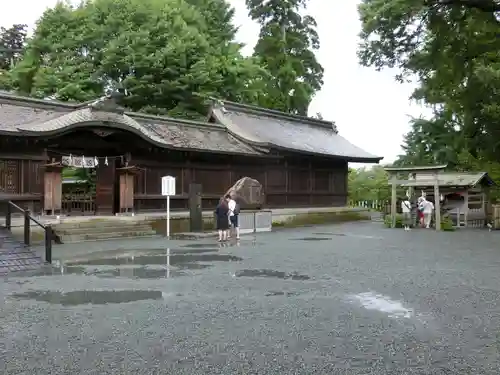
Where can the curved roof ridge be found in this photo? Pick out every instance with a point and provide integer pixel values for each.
(169, 120)
(274, 113)
(20, 100)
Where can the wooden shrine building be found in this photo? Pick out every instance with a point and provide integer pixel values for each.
(300, 161)
(462, 196)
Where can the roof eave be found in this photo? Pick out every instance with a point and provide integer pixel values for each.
(72, 127)
(416, 168)
(352, 159)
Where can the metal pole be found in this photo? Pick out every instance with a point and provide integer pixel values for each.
(168, 263)
(48, 244)
(168, 216)
(27, 228)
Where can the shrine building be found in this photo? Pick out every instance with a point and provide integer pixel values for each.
(96, 158)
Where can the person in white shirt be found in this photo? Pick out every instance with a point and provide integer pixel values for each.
(427, 208)
(406, 209)
(234, 215)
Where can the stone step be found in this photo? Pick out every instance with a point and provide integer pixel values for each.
(74, 238)
(102, 229)
(94, 223)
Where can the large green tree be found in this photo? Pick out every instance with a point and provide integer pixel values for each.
(287, 44)
(451, 48)
(369, 184)
(165, 55)
(12, 41)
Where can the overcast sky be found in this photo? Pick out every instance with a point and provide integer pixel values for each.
(370, 108)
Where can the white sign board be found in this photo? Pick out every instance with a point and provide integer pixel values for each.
(168, 186)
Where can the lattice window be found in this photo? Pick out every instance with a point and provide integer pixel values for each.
(9, 176)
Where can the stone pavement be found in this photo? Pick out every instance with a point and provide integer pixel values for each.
(340, 299)
(14, 256)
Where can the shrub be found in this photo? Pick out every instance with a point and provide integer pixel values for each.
(388, 221)
(447, 224)
(321, 218)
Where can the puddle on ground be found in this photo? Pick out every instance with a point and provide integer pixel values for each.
(139, 273)
(179, 260)
(384, 304)
(271, 273)
(232, 242)
(312, 239)
(93, 297)
(148, 266)
(281, 293)
(348, 235)
(200, 245)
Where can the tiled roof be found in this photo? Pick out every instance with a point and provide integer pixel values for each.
(462, 179)
(25, 117)
(240, 129)
(280, 130)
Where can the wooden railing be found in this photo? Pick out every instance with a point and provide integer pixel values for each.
(49, 232)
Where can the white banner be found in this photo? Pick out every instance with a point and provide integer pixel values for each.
(79, 162)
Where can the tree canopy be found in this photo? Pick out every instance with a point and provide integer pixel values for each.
(369, 184)
(452, 49)
(167, 56)
(286, 46)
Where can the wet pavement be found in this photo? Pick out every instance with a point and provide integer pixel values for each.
(344, 299)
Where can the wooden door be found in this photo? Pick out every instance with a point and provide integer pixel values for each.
(52, 190)
(126, 192)
(105, 189)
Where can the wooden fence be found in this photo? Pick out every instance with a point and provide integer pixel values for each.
(376, 205)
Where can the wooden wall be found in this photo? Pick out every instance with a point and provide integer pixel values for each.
(285, 183)
(289, 180)
(21, 180)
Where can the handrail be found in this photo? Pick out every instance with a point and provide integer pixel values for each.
(49, 232)
(24, 211)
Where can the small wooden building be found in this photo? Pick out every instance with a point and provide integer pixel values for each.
(462, 196)
(300, 161)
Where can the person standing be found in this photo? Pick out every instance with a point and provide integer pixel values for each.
(420, 213)
(234, 211)
(427, 208)
(221, 218)
(406, 209)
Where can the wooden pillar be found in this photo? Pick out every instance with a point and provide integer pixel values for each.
(105, 188)
(466, 207)
(311, 183)
(127, 187)
(393, 201)
(287, 183)
(195, 209)
(437, 202)
(52, 192)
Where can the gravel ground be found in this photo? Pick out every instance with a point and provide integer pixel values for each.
(343, 299)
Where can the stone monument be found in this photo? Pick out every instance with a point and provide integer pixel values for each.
(248, 193)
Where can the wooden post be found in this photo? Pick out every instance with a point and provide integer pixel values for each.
(48, 243)
(437, 202)
(195, 210)
(466, 208)
(27, 228)
(8, 216)
(393, 202)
